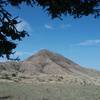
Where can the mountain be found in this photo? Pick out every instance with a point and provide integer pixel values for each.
(48, 63)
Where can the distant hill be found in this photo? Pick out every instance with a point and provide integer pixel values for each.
(47, 63)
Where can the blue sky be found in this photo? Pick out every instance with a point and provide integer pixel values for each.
(76, 39)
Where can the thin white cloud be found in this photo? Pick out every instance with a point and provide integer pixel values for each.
(19, 53)
(65, 25)
(48, 26)
(23, 25)
(61, 26)
(89, 42)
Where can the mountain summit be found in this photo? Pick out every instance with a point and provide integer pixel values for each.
(48, 55)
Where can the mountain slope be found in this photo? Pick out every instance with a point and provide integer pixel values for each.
(46, 59)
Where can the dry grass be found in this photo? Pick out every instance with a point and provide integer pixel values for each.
(48, 91)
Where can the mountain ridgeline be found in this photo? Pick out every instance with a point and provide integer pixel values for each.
(48, 63)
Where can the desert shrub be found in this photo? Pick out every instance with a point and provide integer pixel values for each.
(5, 75)
(40, 79)
(5, 97)
(2, 67)
(14, 74)
(45, 99)
(60, 78)
(50, 79)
